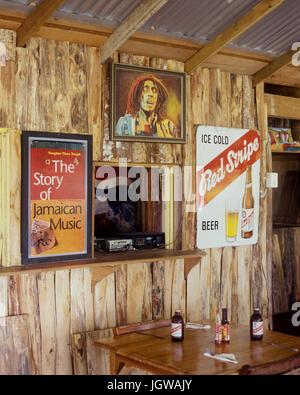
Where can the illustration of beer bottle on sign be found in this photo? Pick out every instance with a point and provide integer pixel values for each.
(232, 213)
(228, 168)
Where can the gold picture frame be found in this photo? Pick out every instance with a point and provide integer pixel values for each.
(147, 105)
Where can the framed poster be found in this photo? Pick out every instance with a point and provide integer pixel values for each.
(56, 197)
(228, 180)
(147, 104)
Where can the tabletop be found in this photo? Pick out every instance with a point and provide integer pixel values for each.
(160, 355)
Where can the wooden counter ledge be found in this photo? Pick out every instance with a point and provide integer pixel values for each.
(108, 259)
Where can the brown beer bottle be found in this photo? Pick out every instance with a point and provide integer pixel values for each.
(256, 325)
(225, 327)
(177, 326)
(247, 207)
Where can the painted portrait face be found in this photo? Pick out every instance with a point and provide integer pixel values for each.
(149, 96)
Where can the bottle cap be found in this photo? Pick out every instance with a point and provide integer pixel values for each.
(256, 309)
(177, 311)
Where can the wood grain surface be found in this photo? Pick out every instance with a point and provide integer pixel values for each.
(163, 355)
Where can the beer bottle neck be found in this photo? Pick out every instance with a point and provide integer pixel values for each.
(248, 176)
(224, 315)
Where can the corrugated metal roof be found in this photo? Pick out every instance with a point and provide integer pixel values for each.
(195, 20)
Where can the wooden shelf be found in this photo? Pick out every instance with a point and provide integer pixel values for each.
(107, 259)
(136, 164)
(282, 106)
(286, 152)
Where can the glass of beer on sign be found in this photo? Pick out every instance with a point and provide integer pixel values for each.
(232, 209)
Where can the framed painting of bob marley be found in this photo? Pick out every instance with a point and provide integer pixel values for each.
(148, 105)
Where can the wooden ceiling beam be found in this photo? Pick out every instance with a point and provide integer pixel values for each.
(276, 65)
(35, 20)
(282, 90)
(248, 20)
(129, 26)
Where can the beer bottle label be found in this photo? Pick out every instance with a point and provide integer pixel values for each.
(257, 328)
(226, 333)
(176, 329)
(247, 220)
(218, 334)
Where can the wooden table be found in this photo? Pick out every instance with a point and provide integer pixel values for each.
(162, 356)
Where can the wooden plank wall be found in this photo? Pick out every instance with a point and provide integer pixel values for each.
(62, 303)
(61, 87)
(286, 268)
(15, 346)
(9, 38)
(10, 197)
